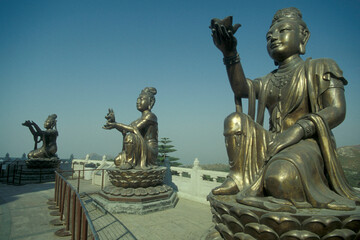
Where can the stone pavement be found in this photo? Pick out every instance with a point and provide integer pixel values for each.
(24, 214)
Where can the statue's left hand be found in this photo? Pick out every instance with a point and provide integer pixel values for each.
(287, 138)
(223, 35)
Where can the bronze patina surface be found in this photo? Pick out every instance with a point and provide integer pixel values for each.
(293, 165)
(137, 182)
(140, 138)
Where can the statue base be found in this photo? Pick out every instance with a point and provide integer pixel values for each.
(136, 200)
(25, 175)
(36, 163)
(237, 221)
(136, 178)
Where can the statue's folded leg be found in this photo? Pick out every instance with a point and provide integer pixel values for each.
(297, 175)
(246, 143)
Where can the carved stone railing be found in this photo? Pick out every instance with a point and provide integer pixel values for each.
(191, 183)
(194, 183)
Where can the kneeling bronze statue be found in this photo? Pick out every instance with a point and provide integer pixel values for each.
(45, 156)
(140, 138)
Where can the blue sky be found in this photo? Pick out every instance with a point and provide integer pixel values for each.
(79, 58)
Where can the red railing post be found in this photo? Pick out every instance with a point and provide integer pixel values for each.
(84, 226)
(73, 213)
(55, 187)
(67, 217)
(62, 205)
(78, 219)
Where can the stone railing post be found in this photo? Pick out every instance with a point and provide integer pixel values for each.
(195, 177)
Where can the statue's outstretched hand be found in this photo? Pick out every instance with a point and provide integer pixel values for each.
(285, 139)
(109, 125)
(223, 35)
(27, 123)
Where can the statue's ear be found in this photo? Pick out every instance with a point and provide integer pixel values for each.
(305, 35)
(152, 102)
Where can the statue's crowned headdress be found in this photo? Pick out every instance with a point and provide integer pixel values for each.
(290, 12)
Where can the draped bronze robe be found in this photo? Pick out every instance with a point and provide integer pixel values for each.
(315, 158)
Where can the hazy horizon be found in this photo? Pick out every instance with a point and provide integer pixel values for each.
(79, 58)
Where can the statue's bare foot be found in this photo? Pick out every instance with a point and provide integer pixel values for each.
(125, 166)
(227, 188)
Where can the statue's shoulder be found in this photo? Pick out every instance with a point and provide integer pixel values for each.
(261, 81)
(151, 117)
(326, 68)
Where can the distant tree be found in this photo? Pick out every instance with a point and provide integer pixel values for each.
(165, 148)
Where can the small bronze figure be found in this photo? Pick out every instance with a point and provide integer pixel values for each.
(140, 138)
(47, 136)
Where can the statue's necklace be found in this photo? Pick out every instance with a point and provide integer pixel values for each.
(279, 80)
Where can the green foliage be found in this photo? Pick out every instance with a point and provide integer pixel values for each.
(349, 157)
(165, 148)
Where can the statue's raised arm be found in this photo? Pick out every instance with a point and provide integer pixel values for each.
(223, 32)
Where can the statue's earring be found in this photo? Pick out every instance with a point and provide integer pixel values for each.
(302, 49)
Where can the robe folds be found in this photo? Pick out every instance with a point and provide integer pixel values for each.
(315, 158)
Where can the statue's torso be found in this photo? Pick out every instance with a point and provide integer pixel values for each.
(286, 99)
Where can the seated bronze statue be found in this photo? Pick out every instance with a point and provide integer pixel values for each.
(295, 161)
(140, 138)
(48, 137)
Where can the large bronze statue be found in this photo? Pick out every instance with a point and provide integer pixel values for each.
(47, 136)
(140, 138)
(294, 164)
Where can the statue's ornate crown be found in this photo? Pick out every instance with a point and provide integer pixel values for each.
(290, 12)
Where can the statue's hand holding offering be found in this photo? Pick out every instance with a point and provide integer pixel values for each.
(223, 35)
(109, 125)
(110, 117)
(27, 123)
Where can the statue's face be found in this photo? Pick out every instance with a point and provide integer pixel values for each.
(48, 124)
(283, 40)
(143, 102)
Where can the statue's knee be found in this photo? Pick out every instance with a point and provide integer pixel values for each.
(233, 123)
(280, 175)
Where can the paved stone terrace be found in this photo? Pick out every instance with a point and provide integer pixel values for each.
(24, 214)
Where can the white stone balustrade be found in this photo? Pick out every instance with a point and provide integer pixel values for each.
(191, 183)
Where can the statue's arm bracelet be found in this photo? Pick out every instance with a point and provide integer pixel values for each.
(307, 126)
(231, 60)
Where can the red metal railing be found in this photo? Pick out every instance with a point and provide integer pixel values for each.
(72, 211)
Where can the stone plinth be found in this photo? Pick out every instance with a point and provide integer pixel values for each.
(136, 200)
(26, 175)
(37, 163)
(236, 221)
(136, 191)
